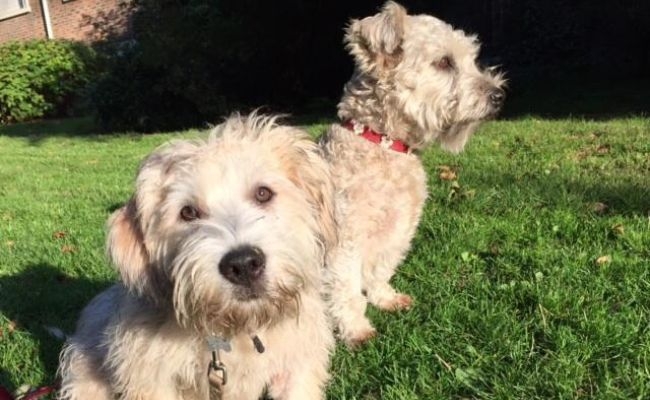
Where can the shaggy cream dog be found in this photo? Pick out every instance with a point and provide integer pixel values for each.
(416, 83)
(220, 252)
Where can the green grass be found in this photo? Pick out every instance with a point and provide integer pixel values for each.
(511, 302)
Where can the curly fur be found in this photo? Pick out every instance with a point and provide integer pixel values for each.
(145, 337)
(416, 80)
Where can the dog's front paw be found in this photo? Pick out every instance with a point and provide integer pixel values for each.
(360, 338)
(397, 302)
(356, 336)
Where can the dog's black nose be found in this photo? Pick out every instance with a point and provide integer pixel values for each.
(497, 96)
(243, 265)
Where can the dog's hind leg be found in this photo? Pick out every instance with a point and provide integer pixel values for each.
(347, 304)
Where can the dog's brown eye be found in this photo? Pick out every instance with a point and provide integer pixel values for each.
(444, 63)
(189, 213)
(263, 194)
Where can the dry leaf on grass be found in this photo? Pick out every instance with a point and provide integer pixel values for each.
(595, 135)
(58, 235)
(67, 249)
(446, 173)
(618, 229)
(599, 208)
(603, 149)
(602, 260)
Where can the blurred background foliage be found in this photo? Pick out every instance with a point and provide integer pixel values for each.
(188, 62)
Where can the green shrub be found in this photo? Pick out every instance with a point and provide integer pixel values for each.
(135, 95)
(193, 61)
(43, 78)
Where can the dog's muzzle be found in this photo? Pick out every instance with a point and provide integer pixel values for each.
(497, 97)
(243, 266)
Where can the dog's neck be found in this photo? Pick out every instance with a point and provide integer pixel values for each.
(365, 101)
(382, 139)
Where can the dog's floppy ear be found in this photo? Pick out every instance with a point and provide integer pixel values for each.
(313, 177)
(321, 190)
(126, 249)
(126, 244)
(376, 42)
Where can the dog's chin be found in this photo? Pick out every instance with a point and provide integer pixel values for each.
(247, 311)
(491, 113)
(253, 292)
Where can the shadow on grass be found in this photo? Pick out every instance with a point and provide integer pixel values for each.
(625, 199)
(40, 297)
(37, 131)
(630, 199)
(530, 94)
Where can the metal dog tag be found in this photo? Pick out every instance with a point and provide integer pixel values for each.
(216, 343)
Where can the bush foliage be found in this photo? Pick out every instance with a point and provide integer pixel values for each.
(43, 78)
(193, 61)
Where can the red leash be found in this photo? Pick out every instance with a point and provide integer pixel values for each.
(33, 395)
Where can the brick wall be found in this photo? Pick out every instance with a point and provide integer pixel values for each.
(89, 20)
(86, 20)
(24, 26)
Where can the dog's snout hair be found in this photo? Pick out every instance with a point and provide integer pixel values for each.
(497, 97)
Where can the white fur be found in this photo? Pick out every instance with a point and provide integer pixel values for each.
(145, 337)
(400, 90)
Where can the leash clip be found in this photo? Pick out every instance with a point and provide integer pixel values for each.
(217, 372)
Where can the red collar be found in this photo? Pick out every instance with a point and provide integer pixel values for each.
(378, 138)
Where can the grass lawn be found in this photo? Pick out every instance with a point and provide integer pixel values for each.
(530, 269)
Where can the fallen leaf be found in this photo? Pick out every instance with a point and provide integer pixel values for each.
(455, 190)
(12, 326)
(618, 229)
(22, 390)
(599, 208)
(602, 260)
(469, 194)
(58, 235)
(67, 248)
(581, 155)
(494, 249)
(596, 134)
(448, 175)
(603, 149)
